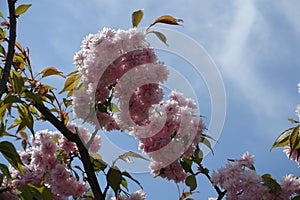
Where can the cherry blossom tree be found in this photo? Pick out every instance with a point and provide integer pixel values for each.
(116, 86)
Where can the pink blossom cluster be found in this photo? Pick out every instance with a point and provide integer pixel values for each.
(121, 65)
(42, 165)
(138, 195)
(103, 59)
(178, 137)
(242, 182)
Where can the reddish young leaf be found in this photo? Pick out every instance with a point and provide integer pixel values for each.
(166, 19)
(18, 45)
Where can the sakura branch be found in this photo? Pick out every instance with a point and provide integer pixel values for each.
(11, 45)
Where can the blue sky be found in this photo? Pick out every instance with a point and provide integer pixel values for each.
(255, 45)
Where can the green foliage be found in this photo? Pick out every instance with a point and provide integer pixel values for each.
(9, 152)
(12, 99)
(289, 137)
(99, 165)
(160, 36)
(114, 179)
(49, 71)
(198, 156)
(271, 183)
(186, 164)
(16, 81)
(21, 9)
(126, 157)
(33, 97)
(191, 182)
(206, 142)
(131, 178)
(296, 197)
(136, 17)
(71, 83)
(2, 34)
(5, 171)
(26, 117)
(34, 191)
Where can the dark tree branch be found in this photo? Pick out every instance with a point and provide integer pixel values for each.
(84, 154)
(11, 45)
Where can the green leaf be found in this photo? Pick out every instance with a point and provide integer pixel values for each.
(114, 179)
(131, 178)
(271, 183)
(207, 143)
(208, 136)
(1, 14)
(124, 183)
(26, 117)
(283, 138)
(125, 156)
(49, 71)
(3, 52)
(160, 36)
(34, 191)
(2, 110)
(186, 164)
(21, 127)
(71, 82)
(10, 153)
(67, 102)
(114, 108)
(33, 97)
(19, 59)
(18, 82)
(136, 17)
(99, 165)
(5, 171)
(294, 138)
(2, 128)
(191, 182)
(12, 99)
(2, 33)
(16, 123)
(22, 8)
(198, 156)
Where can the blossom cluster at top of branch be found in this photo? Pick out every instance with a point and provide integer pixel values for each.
(121, 65)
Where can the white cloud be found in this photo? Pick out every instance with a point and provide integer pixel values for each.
(238, 59)
(291, 11)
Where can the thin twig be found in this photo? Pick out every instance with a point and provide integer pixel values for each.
(11, 45)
